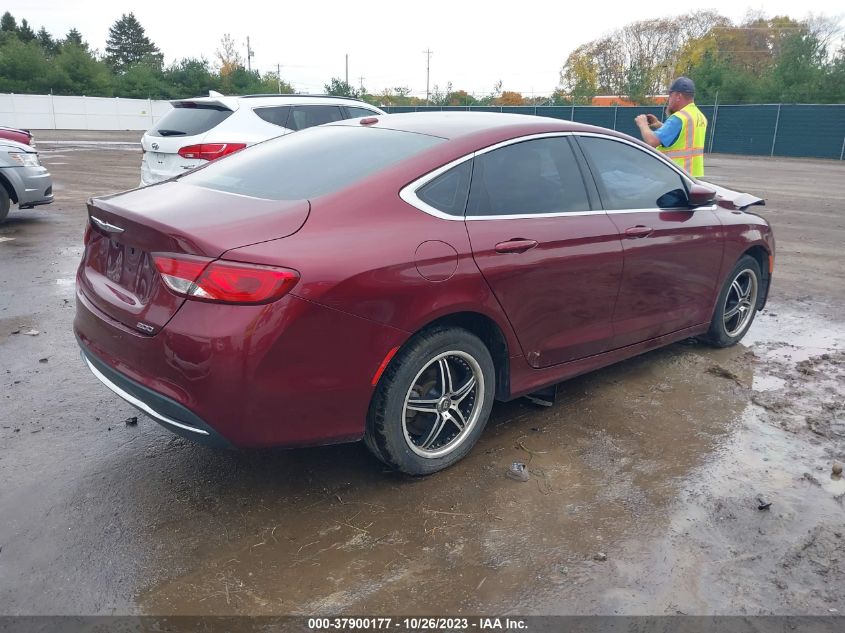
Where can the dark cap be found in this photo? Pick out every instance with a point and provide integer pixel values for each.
(684, 85)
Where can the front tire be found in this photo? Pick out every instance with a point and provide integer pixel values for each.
(737, 304)
(432, 403)
(4, 203)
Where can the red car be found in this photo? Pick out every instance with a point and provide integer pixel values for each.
(14, 134)
(388, 278)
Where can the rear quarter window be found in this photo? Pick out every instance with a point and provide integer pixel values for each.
(277, 115)
(311, 163)
(189, 119)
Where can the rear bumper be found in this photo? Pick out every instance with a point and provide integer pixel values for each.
(153, 171)
(167, 412)
(290, 373)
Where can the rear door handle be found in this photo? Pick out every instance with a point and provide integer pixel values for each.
(639, 231)
(517, 245)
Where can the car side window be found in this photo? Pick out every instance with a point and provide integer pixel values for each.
(629, 178)
(277, 115)
(354, 113)
(532, 177)
(448, 192)
(302, 117)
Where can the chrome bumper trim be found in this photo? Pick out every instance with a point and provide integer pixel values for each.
(138, 403)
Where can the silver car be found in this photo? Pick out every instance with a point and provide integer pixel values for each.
(23, 179)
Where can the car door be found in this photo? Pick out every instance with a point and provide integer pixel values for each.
(551, 257)
(672, 253)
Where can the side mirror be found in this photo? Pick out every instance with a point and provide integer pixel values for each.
(700, 196)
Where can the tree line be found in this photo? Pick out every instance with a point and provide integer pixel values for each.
(131, 66)
(757, 60)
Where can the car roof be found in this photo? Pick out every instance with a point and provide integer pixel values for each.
(233, 102)
(453, 125)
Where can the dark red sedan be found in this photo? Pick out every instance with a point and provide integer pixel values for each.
(389, 278)
(19, 136)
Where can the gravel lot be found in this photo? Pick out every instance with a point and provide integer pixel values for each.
(654, 464)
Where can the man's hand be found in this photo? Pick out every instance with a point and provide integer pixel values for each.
(653, 121)
(643, 124)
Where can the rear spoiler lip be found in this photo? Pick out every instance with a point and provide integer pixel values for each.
(734, 200)
(207, 102)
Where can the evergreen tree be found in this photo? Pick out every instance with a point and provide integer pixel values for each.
(48, 44)
(74, 38)
(8, 24)
(128, 45)
(25, 32)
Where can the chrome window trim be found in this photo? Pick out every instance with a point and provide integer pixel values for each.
(408, 193)
(138, 403)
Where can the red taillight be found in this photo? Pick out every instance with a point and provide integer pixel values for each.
(222, 281)
(210, 151)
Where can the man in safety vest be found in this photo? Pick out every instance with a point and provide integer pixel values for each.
(681, 136)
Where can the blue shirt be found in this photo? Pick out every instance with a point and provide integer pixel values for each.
(670, 131)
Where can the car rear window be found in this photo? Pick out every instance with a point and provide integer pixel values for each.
(310, 163)
(190, 118)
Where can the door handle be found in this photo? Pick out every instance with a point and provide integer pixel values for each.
(639, 231)
(517, 245)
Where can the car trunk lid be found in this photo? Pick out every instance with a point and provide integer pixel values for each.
(118, 273)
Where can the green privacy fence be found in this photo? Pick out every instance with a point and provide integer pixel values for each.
(815, 131)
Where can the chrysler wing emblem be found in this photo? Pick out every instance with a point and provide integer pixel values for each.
(109, 228)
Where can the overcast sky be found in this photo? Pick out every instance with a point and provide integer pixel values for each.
(475, 43)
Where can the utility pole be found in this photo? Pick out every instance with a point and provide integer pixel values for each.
(427, 52)
(347, 69)
(279, 76)
(249, 55)
(361, 83)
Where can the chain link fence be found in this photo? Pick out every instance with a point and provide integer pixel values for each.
(813, 131)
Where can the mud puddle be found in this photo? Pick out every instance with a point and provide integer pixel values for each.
(642, 499)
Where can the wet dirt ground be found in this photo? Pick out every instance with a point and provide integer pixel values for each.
(645, 477)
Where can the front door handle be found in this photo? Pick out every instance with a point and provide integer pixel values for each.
(639, 231)
(517, 245)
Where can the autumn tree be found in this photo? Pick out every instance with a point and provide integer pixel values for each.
(637, 60)
(228, 56)
(397, 96)
(510, 98)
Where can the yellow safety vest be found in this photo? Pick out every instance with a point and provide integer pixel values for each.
(688, 149)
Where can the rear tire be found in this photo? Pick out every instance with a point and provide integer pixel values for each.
(432, 403)
(4, 203)
(737, 304)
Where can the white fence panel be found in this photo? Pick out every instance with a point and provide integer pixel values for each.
(46, 112)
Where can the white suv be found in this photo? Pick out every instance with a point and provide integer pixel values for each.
(202, 129)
